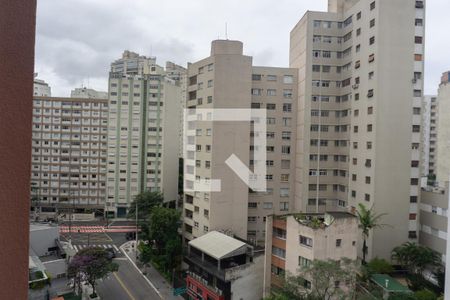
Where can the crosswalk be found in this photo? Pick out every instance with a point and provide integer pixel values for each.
(96, 229)
(105, 246)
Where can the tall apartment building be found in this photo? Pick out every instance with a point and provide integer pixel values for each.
(143, 124)
(68, 164)
(84, 92)
(295, 240)
(179, 74)
(429, 135)
(434, 218)
(359, 112)
(40, 87)
(227, 80)
(443, 130)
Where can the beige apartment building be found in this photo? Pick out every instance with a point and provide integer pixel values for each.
(68, 164)
(359, 112)
(143, 129)
(295, 240)
(443, 131)
(84, 92)
(227, 80)
(433, 218)
(429, 135)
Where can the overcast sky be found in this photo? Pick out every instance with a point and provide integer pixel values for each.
(78, 39)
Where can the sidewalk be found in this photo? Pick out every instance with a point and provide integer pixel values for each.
(158, 282)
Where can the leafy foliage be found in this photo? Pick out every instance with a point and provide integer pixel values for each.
(368, 220)
(146, 201)
(425, 295)
(163, 245)
(379, 266)
(90, 264)
(324, 281)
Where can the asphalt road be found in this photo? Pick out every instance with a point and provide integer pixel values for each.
(126, 284)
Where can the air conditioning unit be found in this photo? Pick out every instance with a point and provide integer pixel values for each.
(355, 86)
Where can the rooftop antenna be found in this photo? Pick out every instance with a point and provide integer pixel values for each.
(226, 30)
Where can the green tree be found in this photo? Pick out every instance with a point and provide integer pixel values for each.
(425, 295)
(379, 266)
(146, 201)
(163, 245)
(368, 220)
(415, 259)
(320, 280)
(91, 264)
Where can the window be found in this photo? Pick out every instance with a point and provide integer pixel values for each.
(414, 181)
(372, 40)
(357, 64)
(286, 135)
(358, 16)
(412, 234)
(267, 205)
(370, 93)
(305, 241)
(413, 199)
(368, 179)
(284, 177)
(368, 163)
(288, 79)
(271, 77)
(284, 192)
(358, 32)
(434, 209)
(419, 4)
(418, 22)
(256, 92)
(370, 110)
(316, 68)
(256, 77)
(412, 217)
(317, 23)
(366, 197)
(369, 128)
(372, 23)
(418, 57)
(371, 74)
(252, 205)
(209, 99)
(372, 5)
(271, 106)
(416, 128)
(369, 145)
(278, 252)
(303, 262)
(271, 92)
(287, 93)
(418, 39)
(358, 48)
(371, 58)
(338, 242)
(286, 149)
(284, 206)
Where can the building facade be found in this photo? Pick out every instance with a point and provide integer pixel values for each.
(359, 112)
(88, 93)
(143, 125)
(434, 218)
(227, 80)
(429, 135)
(223, 268)
(41, 88)
(443, 131)
(295, 240)
(68, 163)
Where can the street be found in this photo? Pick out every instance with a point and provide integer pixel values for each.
(126, 284)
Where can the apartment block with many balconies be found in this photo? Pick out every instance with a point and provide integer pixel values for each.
(429, 135)
(227, 80)
(358, 130)
(69, 144)
(143, 129)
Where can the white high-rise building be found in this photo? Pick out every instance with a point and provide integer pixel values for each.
(429, 135)
(359, 112)
(143, 122)
(41, 88)
(443, 131)
(88, 93)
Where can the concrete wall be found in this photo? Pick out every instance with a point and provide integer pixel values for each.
(248, 284)
(17, 33)
(42, 239)
(56, 268)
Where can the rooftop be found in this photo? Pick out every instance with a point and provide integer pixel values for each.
(389, 284)
(217, 245)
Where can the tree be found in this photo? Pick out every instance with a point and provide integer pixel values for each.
(379, 266)
(415, 259)
(90, 264)
(425, 295)
(146, 201)
(322, 280)
(164, 244)
(368, 220)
